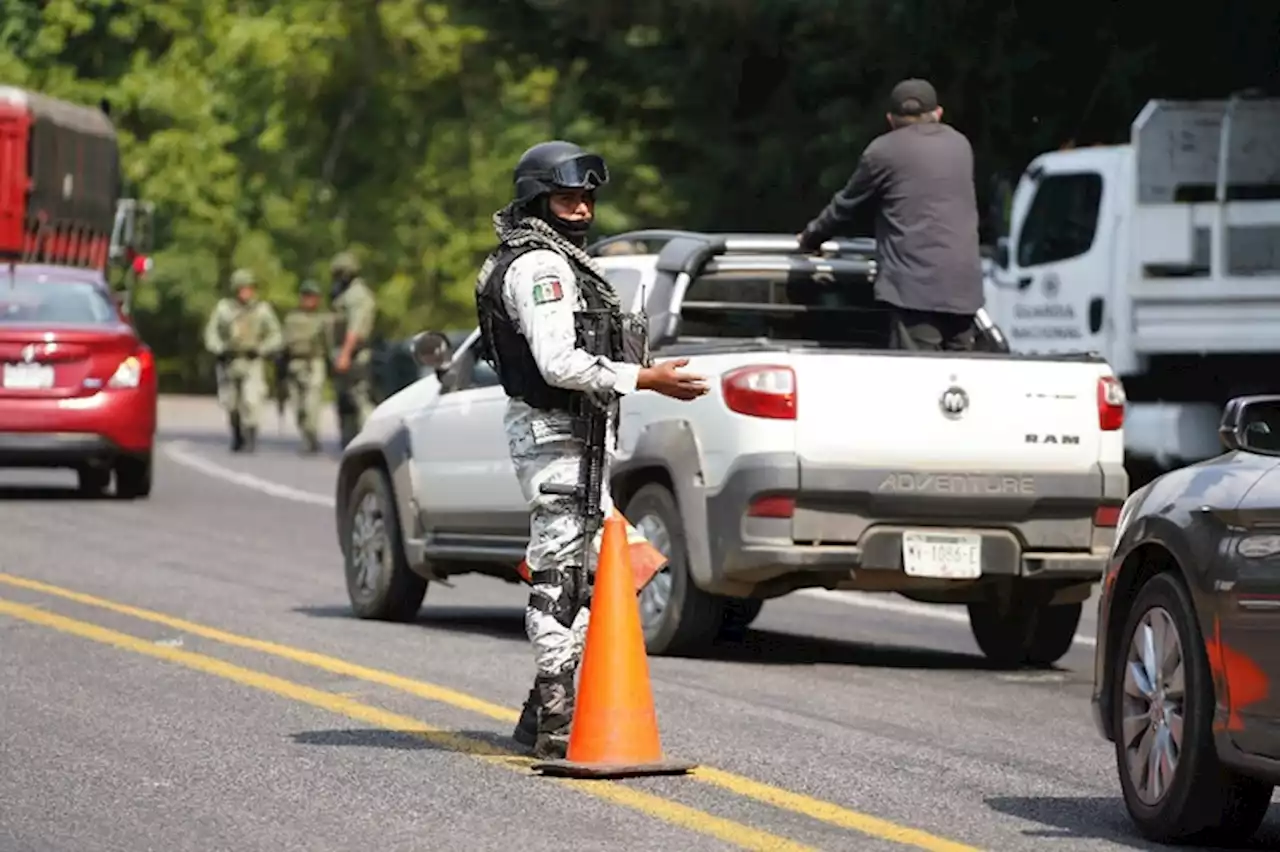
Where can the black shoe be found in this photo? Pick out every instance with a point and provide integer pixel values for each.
(237, 436)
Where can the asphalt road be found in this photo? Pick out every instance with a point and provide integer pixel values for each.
(183, 674)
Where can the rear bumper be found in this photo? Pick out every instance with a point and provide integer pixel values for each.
(68, 432)
(1032, 526)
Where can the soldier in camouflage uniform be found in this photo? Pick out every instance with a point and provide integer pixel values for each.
(355, 311)
(240, 333)
(530, 296)
(306, 349)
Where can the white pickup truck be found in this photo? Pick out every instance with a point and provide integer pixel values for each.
(819, 459)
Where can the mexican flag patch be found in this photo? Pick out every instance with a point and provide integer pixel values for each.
(547, 290)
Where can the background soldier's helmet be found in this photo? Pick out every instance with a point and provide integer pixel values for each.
(548, 166)
(344, 263)
(243, 278)
(309, 288)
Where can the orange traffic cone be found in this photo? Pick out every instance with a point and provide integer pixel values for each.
(615, 728)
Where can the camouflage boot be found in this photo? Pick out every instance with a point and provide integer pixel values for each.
(556, 694)
(250, 439)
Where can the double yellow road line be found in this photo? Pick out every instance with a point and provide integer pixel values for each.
(657, 807)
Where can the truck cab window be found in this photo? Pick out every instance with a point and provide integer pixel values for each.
(468, 372)
(1062, 220)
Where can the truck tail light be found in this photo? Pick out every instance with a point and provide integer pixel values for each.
(1111, 401)
(132, 370)
(1107, 516)
(765, 390)
(772, 506)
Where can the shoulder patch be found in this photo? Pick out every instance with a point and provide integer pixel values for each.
(546, 288)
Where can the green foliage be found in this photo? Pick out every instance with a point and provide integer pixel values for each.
(272, 135)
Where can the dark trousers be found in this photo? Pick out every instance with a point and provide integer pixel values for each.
(931, 331)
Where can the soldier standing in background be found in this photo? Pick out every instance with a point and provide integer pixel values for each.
(240, 333)
(306, 348)
(355, 311)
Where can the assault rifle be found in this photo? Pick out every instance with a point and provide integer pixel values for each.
(591, 417)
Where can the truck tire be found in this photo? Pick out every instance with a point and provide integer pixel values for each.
(689, 618)
(1028, 634)
(380, 583)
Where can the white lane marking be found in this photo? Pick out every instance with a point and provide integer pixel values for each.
(904, 607)
(178, 452)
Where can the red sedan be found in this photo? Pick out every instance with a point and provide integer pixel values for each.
(77, 384)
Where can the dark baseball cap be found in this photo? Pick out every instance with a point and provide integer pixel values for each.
(913, 97)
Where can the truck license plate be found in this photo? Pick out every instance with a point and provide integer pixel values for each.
(947, 556)
(28, 376)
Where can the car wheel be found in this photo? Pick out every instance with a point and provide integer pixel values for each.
(1174, 786)
(380, 583)
(92, 481)
(133, 477)
(676, 615)
(1026, 634)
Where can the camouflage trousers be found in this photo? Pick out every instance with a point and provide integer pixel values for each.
(354, 394)
(543, 450)
(242, 390)
(305, 380)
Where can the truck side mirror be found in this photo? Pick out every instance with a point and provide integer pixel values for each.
(430, 349)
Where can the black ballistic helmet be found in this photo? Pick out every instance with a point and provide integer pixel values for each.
(549, 166)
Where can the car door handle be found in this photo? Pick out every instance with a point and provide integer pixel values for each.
(1025, 281)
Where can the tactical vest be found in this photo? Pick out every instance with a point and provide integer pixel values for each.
(504, 347)
(342, 315)
(302, 335)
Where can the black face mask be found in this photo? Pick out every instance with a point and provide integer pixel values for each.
(340, 283)
(574, 232)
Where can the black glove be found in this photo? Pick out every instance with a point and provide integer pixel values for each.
(809, 242)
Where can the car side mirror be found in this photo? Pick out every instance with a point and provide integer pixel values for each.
(1251, 424)
(431, 349)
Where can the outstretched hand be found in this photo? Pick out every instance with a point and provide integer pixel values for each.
(667, 379)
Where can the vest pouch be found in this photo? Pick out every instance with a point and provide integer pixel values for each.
(594, 330)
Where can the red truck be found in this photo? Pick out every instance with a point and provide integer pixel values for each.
(77, 383)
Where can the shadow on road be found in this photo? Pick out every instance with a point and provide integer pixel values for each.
(66, 494)
(766, 647)
(474, 743)
(1102, 818)
(497, 622)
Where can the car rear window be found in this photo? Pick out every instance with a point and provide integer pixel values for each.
(787, 306)
(45, 300)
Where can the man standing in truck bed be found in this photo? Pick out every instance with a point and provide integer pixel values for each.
(919, 176)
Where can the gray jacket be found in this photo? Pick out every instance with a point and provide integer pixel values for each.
(920, 177)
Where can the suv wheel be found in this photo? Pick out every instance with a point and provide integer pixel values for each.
(380, 583)
(1026, 634)
(677, 616)
(1175, 788)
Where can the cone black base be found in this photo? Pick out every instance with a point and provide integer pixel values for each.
(571, 769)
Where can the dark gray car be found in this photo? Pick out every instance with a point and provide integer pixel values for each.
(1189, 638)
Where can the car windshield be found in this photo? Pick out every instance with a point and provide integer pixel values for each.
(44, 300)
